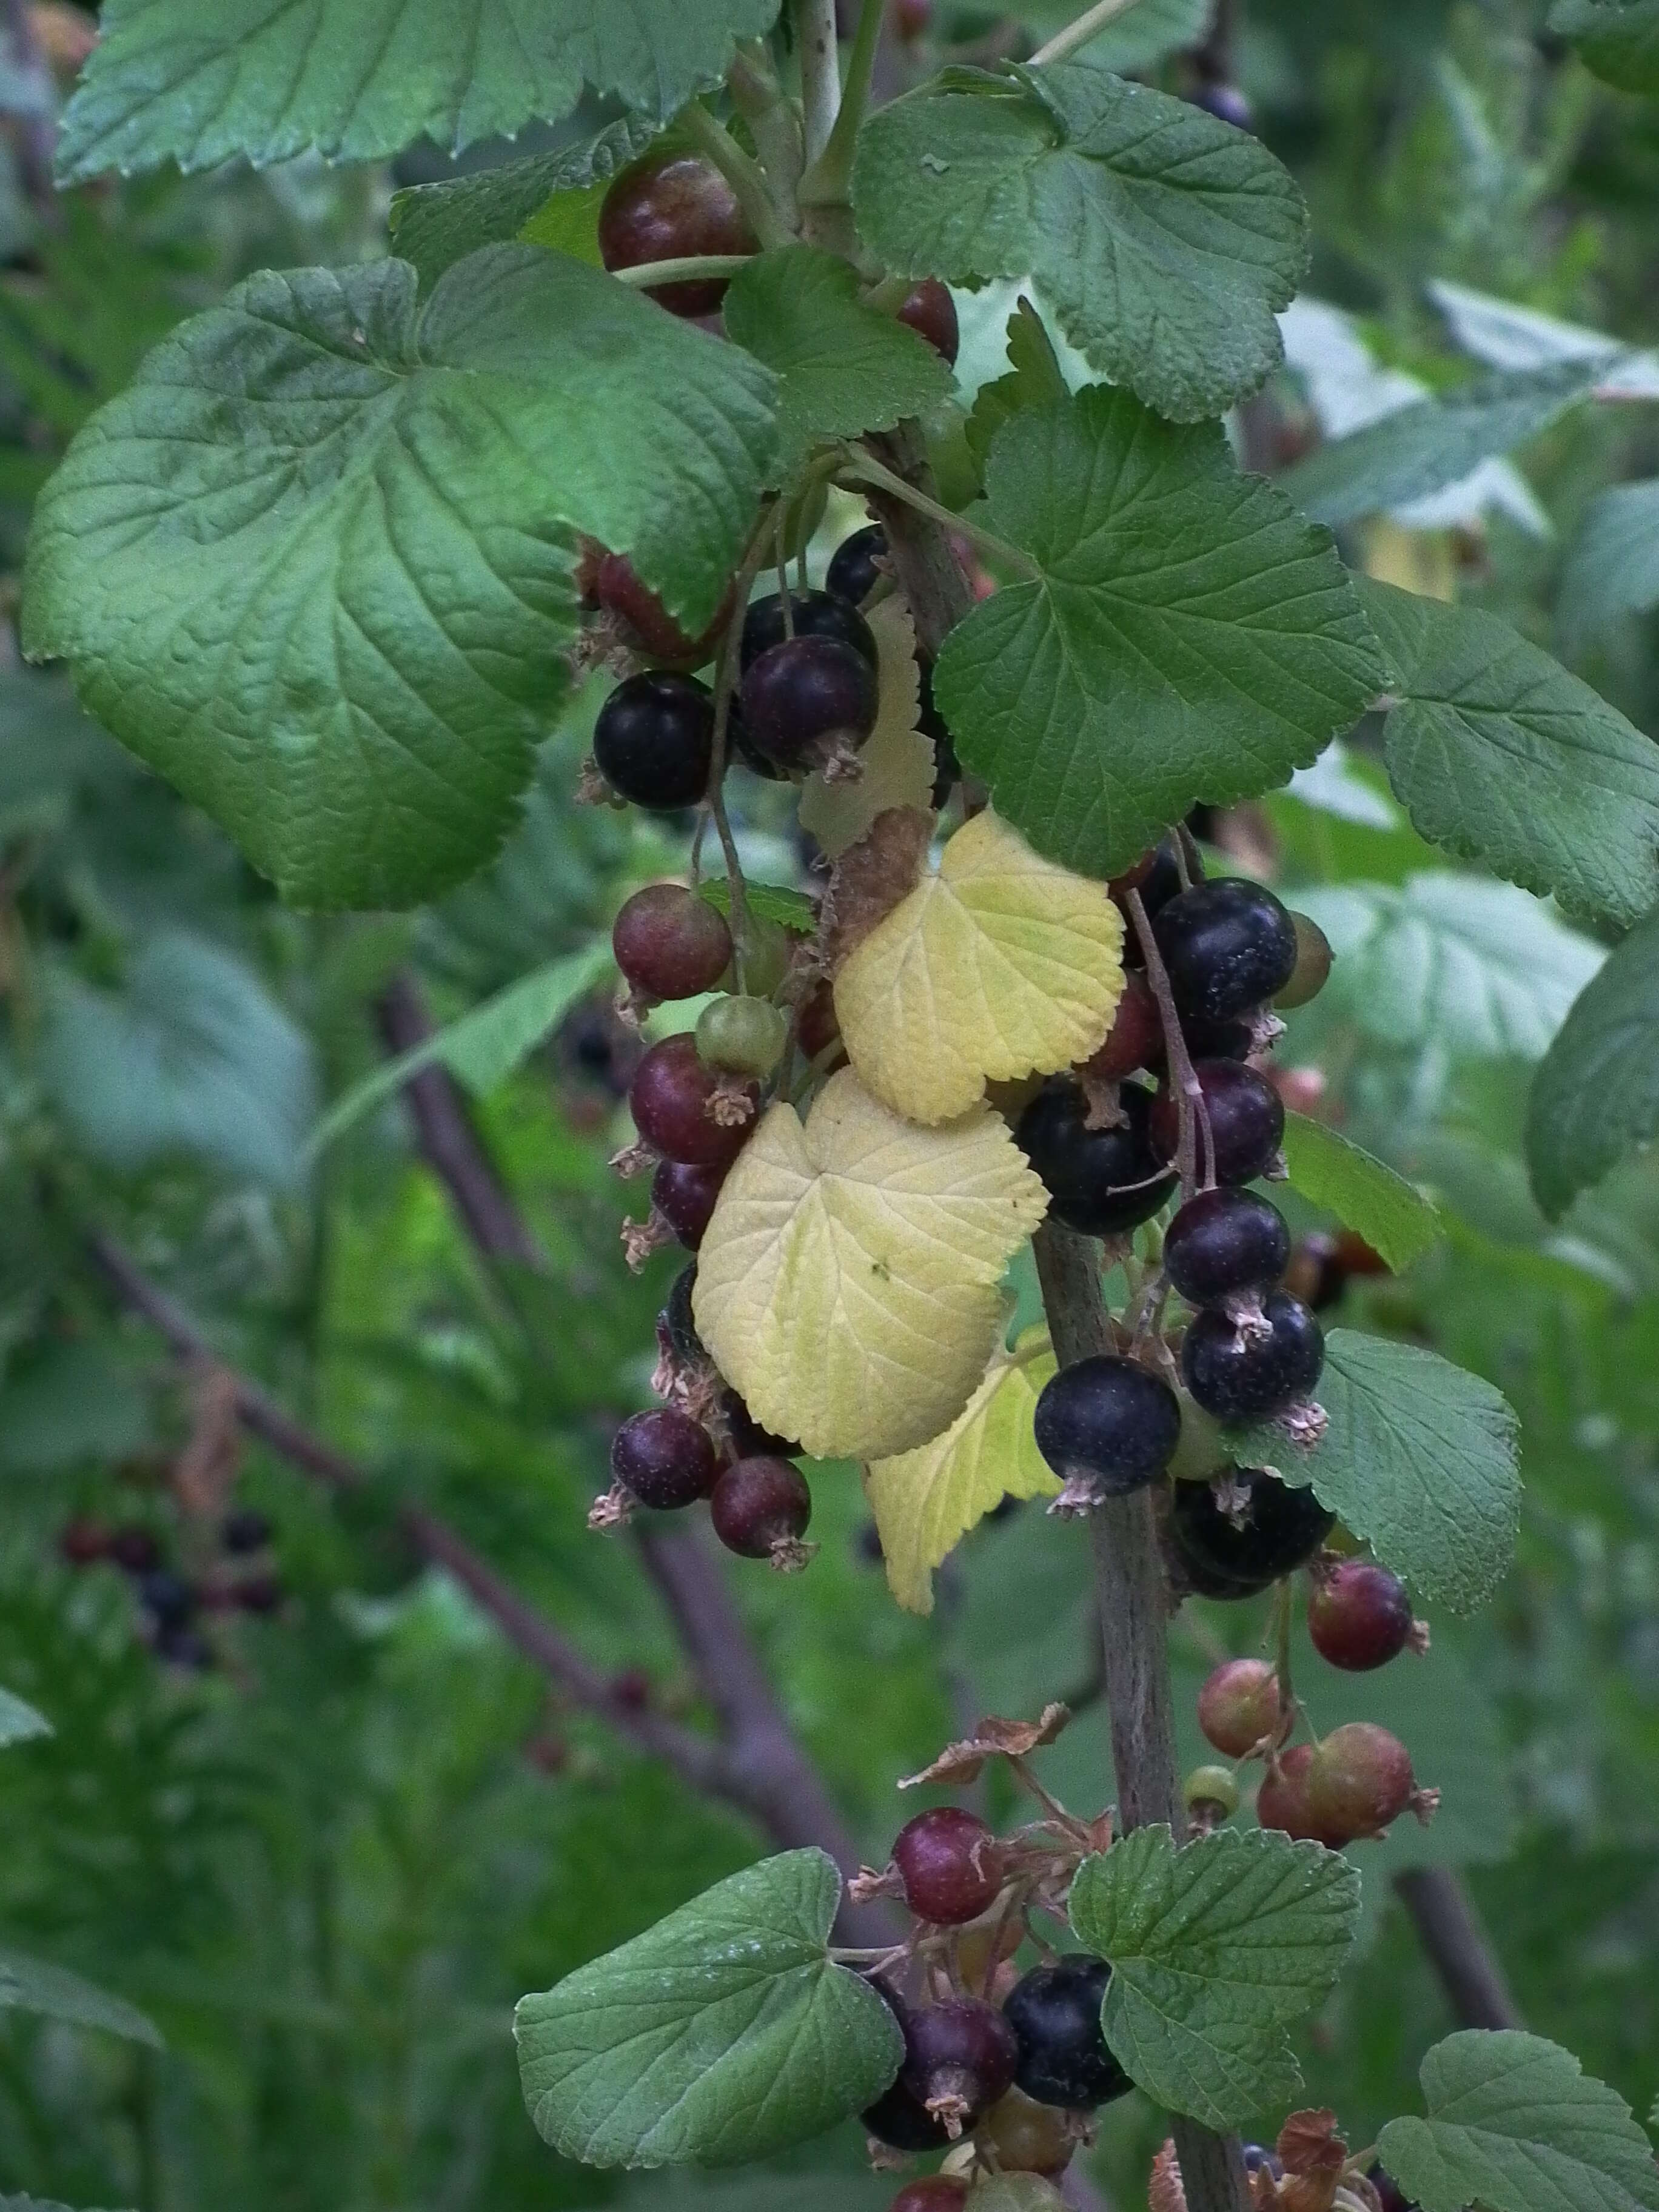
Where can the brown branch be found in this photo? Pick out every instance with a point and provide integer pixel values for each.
(1451, 1935)
(34, 136)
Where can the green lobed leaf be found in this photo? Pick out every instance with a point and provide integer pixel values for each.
(1188, 635)
(722, 2034)
(841, 366)
(1418, 1460)
(35, 1985)
(1422, 448)
(771, 902)
(1499, 754)
(316, 566)
(1612, 566)
(19, 1722)
(1034, 380)
(434, 226)
(1364, 1193)
(1595, 1096)
(1215, 1949)
(358, 79)
(1514, 2122)
(1617, 39)
(1165, 239)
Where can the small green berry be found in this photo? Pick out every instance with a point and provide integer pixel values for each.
(742, 1035)
(1212, 1791)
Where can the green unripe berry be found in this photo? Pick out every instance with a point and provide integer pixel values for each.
(1313, 964)
(745, 1036)
(1213, 1789)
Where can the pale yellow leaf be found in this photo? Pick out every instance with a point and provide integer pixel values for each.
(926, 1501)
(896, 758)
(848, 1284)
(1000, 965)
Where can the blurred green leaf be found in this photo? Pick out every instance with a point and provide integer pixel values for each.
(1595, 1096)
(1363, 1193)
(1619, 39)
(1612, 567)
(34, 1986)
(19, 1722)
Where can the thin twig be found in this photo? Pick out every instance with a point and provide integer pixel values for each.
(1451, 1935)
(1088, 25)
(684, 269)
(1193, 1115)
(866, 472)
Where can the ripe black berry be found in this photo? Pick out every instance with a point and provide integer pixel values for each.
(244, 1530)
(1249, 1372)
(900, 2119)
(811, 614)
(1258, 2158)
(807, 698)
(1055, 2013)
(666, 210)
(950, 1865)
(1225, 1240)
(852, 574)
(669, 943)
(686, 1197)
(959, 2056)
(1281, 1529)
(1098, 1180)
(654, 740)
(665, 1458)
(1108, 1419)
(671, 1097)
(1359, 1615)
(760, 1508)
(1246, 1117)
(1228, 946)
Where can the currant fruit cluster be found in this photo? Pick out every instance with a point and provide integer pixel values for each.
(171, 1601)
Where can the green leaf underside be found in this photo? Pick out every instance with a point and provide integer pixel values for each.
(1499, 754)
(1034, 380)
(1418, 1460)
(1514, 2122)
(1215, 1949)
(359, 80)
(434, 226)
(720, 2035)
(1595, 1096)
(35, 1985)
(316, 566)
(1364, 1193)
(1617, 39)
(1612, 567)
(1190, 637)
(1432, 443)
(841, 366)
(771, 902)
(1165, 240)
(19, 1722)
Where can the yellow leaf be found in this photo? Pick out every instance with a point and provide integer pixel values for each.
(926, 1501)
(848, 1284)
(897, 759)
(1001, 965)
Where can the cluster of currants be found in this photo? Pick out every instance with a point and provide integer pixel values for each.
(172, 1603)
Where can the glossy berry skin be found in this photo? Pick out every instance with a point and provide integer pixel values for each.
(930, 2192)
(1359, 1615)
(247, 1529)
(1239, 1706)
(1110, 1419)
(1134, 1040)
(670, 1096)
(1358, 1781)
(1222, 1241)
(760, 1507)
(1238, 1377)
(805, 695)
(1247, 1121)
(961, 2051)
(662, 210)
(1314, 957)
(669, 943)
(1283, 1528)
(686, 1197)
(134, 1548)
(742, 1034)
(1282, 1801)
(654, 740)
(1228, 946)
(618, 588)
(950, 1864)
(1098, 1180)
(665, 1458)
(1055, 2013)
(1026, 2137)
(811, 614)
(852, 574)
(930, 313)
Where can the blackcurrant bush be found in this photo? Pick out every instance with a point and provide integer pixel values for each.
(1246, 1117)
(1222, 1241)
(167, 1597)
(677, 1318)
(930, 313)
(670, 944)
(1359, 1615)
(1313, 964)
(247, 1529)
(1134, 1040)
(665, 1458)
(616, 586)
(1055, 2013)
(685, 1197)
(654, 740)
(852, 573)
(807, 698)
(1359, 1782)
(1025, 2137)
(959, 2058)
(1099, 1181)
(1228, 946)
(134, 1548)
(1249, 1372)
(1281, 1529)
(670, 1097)
(760, 1508)
(1239, 1706)
(811, 614)
(742, 1035)
(666, 208)
(1108, 1419)
(930, 2192)
(950, 1865)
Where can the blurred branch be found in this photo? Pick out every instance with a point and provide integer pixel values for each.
(1457, 1948)
(34, 135)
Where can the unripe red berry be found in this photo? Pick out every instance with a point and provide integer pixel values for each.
(672, 1098)
(1282, 1800)
(669, 943)
(930, 313)
(1360, 1780)
(950, 1865)
(1359, 1615)
(932, 2192)
(1134, 1040)
(1239, 1707)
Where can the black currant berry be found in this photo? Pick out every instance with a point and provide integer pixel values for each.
(666, 210)
(1222, 1241)
(748, 1439)
(1108, 1419)
(1246, 1117)
(1228, 946)
(1390, 2195)
(900, 2119)
(670, 1097)
(852, 574)
(1251, 1372)
(811, 614)
(742, 1034)
(665, 1458)
(654, 740)
(1258, 2158)
(1156, 877)
(1218, 1040)
(247, 1529)
(1359, 1616)
(1225, 102)
(1098, 1180)
(760, 1508)
(1055, 2013)
(1359, 1782)
(677, 1318)
(669, 943)
(951, 1865)
(807, 698)
(1281, 1529)
(685, 1197)
(959, 2056)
